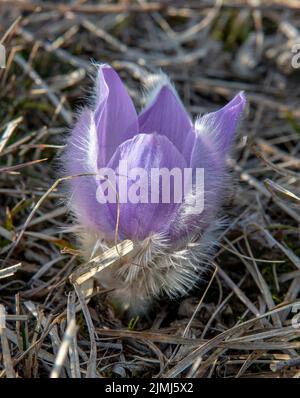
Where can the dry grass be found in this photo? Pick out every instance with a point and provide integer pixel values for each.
(241, 323)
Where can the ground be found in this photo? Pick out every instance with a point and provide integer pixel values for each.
(242, 319)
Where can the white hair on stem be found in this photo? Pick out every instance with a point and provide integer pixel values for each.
(158, 269)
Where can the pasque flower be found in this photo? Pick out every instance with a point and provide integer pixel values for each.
(175, 238)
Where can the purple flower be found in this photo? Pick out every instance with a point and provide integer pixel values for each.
(161, 136)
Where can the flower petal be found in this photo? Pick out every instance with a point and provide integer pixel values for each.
(217, 128)
(80, 157)
(115, 115)
(215, 133)
(166, 116)
(146, 151)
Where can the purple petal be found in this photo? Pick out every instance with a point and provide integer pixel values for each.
(80, 157)
(217, 128)
(115, 115)
(167, 116)
(146, 151)
(215, 132)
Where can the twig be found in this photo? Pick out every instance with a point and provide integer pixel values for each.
(57, 103)
(63, 349)
(10, 373)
